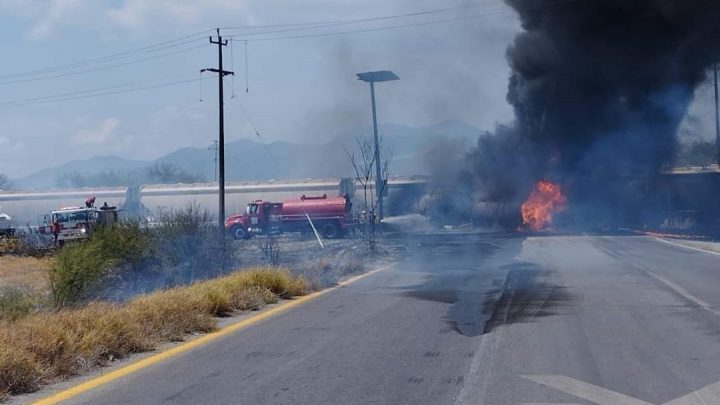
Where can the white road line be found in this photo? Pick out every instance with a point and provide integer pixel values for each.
(550, 403)
(676, 287)
(475, 385)
(684, 293)
(686, 246)
(706, 396)
(586, 391)
(709, 395)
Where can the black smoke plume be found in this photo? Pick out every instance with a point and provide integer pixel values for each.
(599, 88)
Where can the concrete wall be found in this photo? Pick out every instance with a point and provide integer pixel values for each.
(28, 207)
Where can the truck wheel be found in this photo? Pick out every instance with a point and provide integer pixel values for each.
(238, 232)
(330, 231)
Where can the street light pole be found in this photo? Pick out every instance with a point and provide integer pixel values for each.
(372, 78)
(378, 172)
(717, 116)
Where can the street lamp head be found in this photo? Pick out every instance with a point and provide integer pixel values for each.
(378, 76)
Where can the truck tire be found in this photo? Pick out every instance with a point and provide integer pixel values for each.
(330, 230)
(237, 232)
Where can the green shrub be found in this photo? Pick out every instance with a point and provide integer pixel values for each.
(79, 266)
(123, 241)
(76, 268)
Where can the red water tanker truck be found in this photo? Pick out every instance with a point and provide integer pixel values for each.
(330, 216)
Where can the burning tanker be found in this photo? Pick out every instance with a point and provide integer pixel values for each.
(543, 203)
(599, 89)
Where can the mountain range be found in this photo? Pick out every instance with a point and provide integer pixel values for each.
(249, 159)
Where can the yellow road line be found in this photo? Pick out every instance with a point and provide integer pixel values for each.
(184, 347)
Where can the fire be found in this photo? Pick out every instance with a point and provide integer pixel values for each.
(544, 201)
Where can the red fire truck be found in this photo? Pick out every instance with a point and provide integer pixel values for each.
(330, 216)
(77, 223)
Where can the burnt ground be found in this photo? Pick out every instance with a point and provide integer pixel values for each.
(323, 267)
(469, 319)
(302, 256)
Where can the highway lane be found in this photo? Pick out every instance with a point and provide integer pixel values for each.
(474, 319)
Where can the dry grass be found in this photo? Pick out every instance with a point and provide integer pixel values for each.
(44, 347)
(24, 272)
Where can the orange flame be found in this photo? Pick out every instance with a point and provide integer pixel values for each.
(544, 201)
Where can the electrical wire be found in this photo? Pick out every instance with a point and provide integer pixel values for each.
(331, 24)
(113, 66)
(232, 67)
(366, 19)
(499, 9)
(74, 93)
(393, 27)
(247, 74)
(145, 49)
(250, 122)
(247, 116)
(184, 40)
(62, 97)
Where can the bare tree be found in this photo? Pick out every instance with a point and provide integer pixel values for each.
(270, 249)
(163, 171)
(166, 172)
(71, 179)
(386, 155)
(363, 165)
(4, 182)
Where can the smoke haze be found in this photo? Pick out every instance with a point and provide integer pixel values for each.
(599, 89)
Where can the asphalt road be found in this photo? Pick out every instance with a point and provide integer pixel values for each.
(474, 320)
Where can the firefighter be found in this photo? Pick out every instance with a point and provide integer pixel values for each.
(90, 202)
(55, 230)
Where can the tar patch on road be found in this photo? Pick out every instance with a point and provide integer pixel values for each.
(482, 283)
(527, 294)
(446, 296)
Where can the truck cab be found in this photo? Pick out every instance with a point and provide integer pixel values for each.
(260, 217)
(75, 223)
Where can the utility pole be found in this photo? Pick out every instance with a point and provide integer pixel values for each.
(717, 116)
(221, 129)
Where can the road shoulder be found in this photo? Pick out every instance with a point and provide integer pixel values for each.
(56, 393)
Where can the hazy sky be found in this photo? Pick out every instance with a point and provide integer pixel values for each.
(300, 89)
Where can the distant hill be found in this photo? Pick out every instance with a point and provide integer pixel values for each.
(47, 178)
(248, 159)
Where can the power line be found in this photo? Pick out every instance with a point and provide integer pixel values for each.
(247, 74)
(57, 97)
(330, 24)
(113, 66)
(61, 95)
(392, 27)
(490, 12)
(249, 120)
(247, 116)
(145, 49)
(366, 19)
